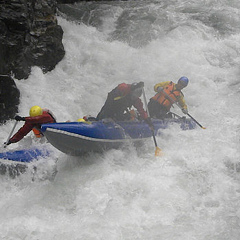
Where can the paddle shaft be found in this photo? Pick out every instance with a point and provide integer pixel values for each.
(196, 121)
(15, 124)
(170, 98)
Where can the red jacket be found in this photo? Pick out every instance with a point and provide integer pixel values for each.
(30, 123)
(118, 101)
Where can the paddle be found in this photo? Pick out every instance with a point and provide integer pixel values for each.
(5, 144)
(157, 150)
(170, 98)
(196, 121)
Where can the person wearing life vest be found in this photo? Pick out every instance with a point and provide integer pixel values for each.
(160, 104)
(38, 116)
(120, 100)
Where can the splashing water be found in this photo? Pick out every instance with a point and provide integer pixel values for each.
(193, 190)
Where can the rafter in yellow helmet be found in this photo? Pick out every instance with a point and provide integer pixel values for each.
(35, 111)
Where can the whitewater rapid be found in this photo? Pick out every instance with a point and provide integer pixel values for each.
(192, 191)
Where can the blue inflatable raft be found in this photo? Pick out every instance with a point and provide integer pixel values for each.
(77, 138)
(16, 162)
(25, 155)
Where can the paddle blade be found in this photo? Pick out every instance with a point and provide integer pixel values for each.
(158, 152)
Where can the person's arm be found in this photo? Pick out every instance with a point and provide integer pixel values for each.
(139, 106)
(23, 131)
(44, 118)
(161, 85)
(182, 103)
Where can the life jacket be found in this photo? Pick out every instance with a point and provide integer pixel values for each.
(37, 133)
(162, 99)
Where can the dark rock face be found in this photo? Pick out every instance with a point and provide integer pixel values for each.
(45, 50)
(9, 98)
(29, 36)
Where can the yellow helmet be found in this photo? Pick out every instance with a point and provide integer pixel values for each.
(81, 120)
(35, 111)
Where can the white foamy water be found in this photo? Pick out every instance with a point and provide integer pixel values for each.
(193, 190)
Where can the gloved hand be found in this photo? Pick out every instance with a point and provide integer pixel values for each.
(159, 89)
(7, 143)
(149, 122)
(185, 111)
(18, 118)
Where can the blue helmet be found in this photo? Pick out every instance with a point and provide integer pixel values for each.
(183, 81)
